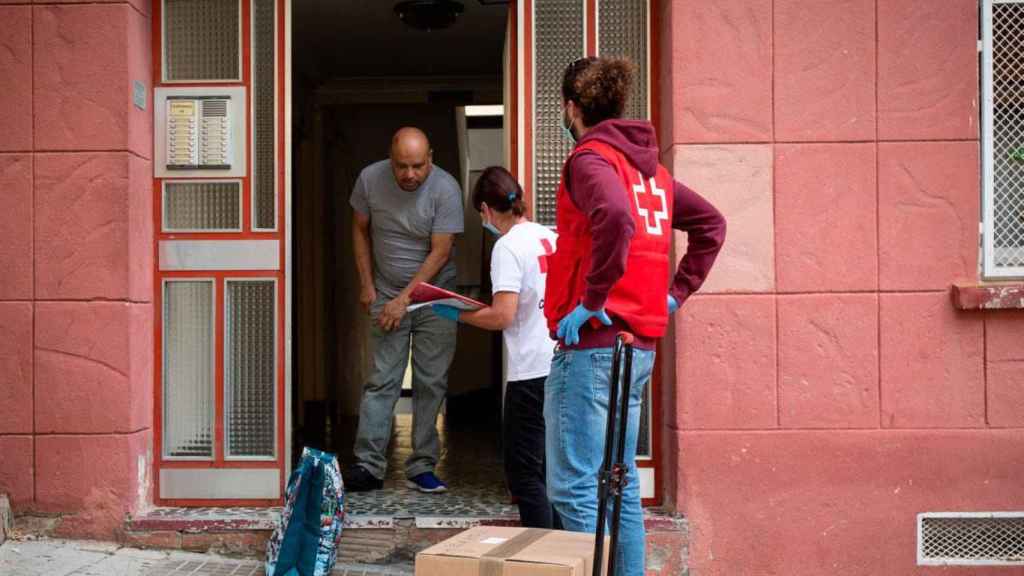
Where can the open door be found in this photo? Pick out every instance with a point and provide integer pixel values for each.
(221, 239)
(548, 35)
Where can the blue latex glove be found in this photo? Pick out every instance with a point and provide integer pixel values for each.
(446, 312)
(672, 304)
(569, 327)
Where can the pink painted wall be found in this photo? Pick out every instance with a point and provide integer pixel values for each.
(827, 391)
(76, 251)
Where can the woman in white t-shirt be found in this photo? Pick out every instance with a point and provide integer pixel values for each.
(518, 271)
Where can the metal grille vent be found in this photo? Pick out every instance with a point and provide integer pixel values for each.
(215, 108)
(201, 40)
(194, 206)
(623, 32)
(264, 205)
(558, 40)
(971, 539)
(1005, 200)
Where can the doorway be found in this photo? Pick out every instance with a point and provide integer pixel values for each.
(360, 73)
(264, 110)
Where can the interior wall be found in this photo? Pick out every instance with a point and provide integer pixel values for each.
(313, 287)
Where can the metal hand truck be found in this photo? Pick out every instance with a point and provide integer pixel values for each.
(612, 476)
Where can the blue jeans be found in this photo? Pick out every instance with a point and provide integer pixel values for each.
(576, 418)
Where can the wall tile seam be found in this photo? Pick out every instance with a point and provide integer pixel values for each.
(90, 434)
(719, 143)
(80, 152)
(869, 292)
(71, 150)
(923, 292)
(80, 301)
(54, 3)
(136, 9)
(32, 161)
(778, 431)
(878, 235)
(775, 215)
(984, 370)
(771, 72)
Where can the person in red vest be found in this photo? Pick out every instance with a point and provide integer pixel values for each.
(616, 208)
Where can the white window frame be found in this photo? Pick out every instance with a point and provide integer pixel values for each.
(989, 267)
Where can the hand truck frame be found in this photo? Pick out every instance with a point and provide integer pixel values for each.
(612, 477)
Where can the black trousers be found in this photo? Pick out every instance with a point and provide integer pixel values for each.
(524, 452)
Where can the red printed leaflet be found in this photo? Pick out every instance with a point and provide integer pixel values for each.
(426, 294)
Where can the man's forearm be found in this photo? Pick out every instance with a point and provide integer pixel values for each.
(431, 266)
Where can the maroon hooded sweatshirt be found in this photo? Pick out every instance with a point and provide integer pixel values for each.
(596, 190)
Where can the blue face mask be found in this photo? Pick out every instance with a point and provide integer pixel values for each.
(567, 129)
(490, 228)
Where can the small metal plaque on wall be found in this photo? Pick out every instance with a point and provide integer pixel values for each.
(139, 94)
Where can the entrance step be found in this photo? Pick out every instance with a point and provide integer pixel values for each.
(374, 539)
(377, 540)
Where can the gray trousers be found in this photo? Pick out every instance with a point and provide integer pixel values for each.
(433, 346)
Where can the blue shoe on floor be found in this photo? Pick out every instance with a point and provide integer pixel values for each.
(427, 482)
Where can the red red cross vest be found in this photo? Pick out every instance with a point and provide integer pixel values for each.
(639, 297)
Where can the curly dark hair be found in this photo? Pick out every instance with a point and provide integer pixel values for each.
(599, 86)
(499, 189)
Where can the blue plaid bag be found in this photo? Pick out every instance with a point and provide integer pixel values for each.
(305, 542)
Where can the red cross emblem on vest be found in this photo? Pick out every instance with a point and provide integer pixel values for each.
(543, 258)
(650, 205)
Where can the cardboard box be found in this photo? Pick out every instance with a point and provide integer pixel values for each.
(507, 551)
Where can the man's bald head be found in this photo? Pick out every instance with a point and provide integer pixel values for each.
(411, 158)
(409, 140)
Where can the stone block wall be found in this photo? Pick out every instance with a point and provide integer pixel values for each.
(827, 389)
(76, 255)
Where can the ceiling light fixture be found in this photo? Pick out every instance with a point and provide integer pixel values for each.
(429, 14)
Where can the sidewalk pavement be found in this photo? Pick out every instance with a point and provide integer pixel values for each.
(49, 557)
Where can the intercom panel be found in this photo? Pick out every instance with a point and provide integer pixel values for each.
(200, 131)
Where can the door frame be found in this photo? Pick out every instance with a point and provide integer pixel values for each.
(233, 469)
(519, 110)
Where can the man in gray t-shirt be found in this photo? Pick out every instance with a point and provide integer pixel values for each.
(408, 211)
